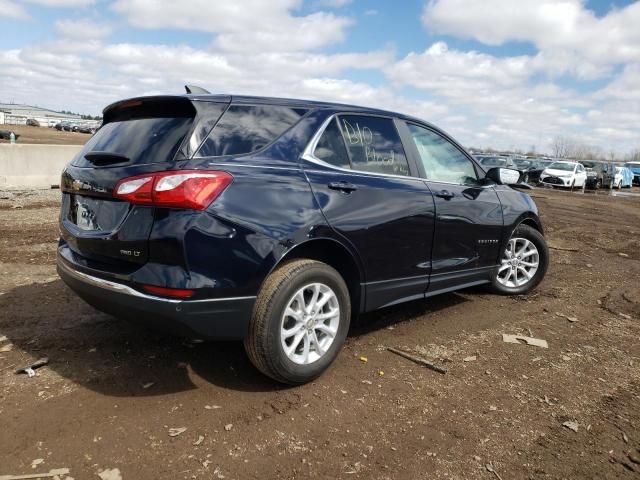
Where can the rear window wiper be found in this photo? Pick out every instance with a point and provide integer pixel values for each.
(105, 158)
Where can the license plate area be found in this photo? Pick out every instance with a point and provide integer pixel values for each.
(96, 214)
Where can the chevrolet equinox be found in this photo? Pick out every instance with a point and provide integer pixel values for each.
(276, 221)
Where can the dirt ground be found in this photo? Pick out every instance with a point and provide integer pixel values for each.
(113, 392)
(45, 135)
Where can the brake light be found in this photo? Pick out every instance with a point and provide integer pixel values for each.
(193, 189)
(168, 292)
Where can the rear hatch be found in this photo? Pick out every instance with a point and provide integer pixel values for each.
(138, 137)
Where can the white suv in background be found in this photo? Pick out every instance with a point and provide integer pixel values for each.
(564, 174)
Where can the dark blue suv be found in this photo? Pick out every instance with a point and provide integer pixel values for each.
(276, 221)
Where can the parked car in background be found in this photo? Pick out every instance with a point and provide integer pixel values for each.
(599, 173)
(535, 169)
(91, 129)
(635, 169)
(274, 221)
(564, 174)
(6, 135)
(623, 177)
(32, 122)
(496, 161)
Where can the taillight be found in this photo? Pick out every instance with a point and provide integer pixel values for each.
(194, 189)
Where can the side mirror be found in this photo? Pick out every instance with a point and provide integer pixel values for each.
(503, 176)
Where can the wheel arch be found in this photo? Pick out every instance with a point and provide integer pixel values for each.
(529, 219)
(337, 256)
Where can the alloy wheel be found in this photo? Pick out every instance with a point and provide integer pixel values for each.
(310, 323)
(520, 262)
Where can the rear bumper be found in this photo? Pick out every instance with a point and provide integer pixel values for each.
(211, 319)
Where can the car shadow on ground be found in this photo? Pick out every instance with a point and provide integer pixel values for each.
(117, 358)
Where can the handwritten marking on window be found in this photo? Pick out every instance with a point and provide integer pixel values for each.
(363, 136)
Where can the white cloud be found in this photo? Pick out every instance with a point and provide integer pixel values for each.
(271, 49)
(62, 3)
(570, 38)
(331, 3)
(82, 29)
(241, 26)
(12, 10)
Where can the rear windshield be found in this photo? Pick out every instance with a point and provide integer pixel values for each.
(142, 140)
(247, 128)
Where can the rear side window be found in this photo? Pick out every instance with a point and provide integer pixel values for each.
(142, 140)
(245, 129)
(330, 147)
(373, 144)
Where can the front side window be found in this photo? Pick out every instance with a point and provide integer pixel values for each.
(373, 144)
(442, 161)
(247, 128)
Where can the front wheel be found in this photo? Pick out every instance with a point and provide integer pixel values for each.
(299, 322)
(523, 264)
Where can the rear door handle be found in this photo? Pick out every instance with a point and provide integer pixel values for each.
(446, 194)
(344, 187)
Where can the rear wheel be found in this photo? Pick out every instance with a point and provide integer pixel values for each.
(299, 322)
(523, 264)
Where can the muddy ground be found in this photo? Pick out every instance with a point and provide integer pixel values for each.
(113, 391)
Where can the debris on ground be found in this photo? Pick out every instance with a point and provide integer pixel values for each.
(228, 427)
(472, 358)
(37, 462)
(174, 432)
(623, 255)
(6, 348)
(571, 425)
(53, 473)
(418, 360)
(199, 440)
(110, 474)
(212, 407)
(564, 249)
(490, 469)
(363, 359)
(536, 342)
(30, 369)
(571, 319)
(148, 385)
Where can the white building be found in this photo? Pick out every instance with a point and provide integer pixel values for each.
(14, 114)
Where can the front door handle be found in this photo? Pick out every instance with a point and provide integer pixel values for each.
(446, 194)
(344, 187)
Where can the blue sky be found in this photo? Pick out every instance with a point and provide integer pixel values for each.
(494, 73)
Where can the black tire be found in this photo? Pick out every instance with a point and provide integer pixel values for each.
(263, 345)
(533, 235)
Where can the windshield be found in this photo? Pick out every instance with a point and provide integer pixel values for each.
(633, 166)
(567, 167)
